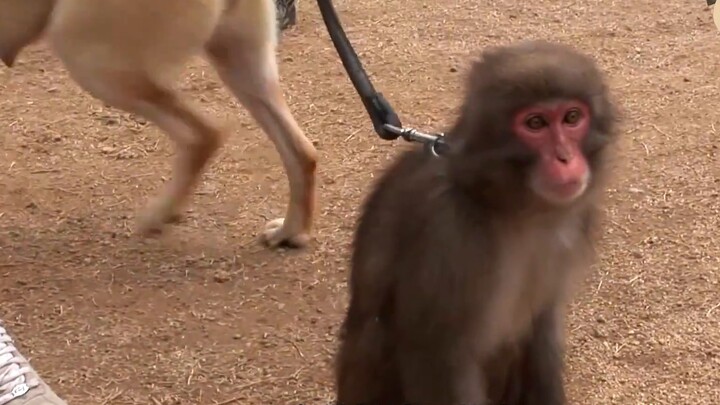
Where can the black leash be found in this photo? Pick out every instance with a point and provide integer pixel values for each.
(385, 121)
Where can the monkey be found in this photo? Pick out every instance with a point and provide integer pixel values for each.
(127, 53)
(462, 263)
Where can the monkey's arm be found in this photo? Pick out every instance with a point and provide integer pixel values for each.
(438, 305)
(539, 378)
(365, 371)
(383, 232)
(410, 302)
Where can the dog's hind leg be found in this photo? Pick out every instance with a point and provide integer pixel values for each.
(21, 23)
(126, 53)
(243, 52)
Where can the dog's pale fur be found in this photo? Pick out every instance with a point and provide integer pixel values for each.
(128, 53)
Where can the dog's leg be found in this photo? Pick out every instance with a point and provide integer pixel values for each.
(286, 13)
(21, 23)
(245, 60)
(128, 59)
(196, 139)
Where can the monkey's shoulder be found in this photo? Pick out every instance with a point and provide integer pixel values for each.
(401, 213)
(407, 184)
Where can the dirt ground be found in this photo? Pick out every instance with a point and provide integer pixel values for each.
(206, 315)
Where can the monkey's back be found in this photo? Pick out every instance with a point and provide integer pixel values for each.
(409, 221)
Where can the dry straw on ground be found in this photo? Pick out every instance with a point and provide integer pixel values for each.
(206, 316)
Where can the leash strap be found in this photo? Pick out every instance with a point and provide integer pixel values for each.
(384, 119)
(380, 111)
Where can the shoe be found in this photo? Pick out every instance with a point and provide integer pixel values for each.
(19, 383)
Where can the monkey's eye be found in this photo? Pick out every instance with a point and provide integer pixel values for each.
(572, 117)
(535, 122)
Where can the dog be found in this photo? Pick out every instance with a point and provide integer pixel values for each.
(286, 13)
(128, 52)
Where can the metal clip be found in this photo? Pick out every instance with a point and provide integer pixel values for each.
(434, 143)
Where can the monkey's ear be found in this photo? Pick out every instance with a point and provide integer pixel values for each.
(491, 52)
(607, 113)
(478, 71)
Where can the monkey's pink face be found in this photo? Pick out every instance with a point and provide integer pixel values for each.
(555, 131)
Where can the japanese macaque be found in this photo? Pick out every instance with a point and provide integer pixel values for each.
(462, 264)
(127, 53)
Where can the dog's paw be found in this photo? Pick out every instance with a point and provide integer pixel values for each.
(156, 216)
(276, 234)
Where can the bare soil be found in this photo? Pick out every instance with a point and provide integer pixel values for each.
(206, 315)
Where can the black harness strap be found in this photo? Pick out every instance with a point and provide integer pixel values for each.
(385, 121)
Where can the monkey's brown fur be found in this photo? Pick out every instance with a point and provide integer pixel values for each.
(128, 53)
(460, 271)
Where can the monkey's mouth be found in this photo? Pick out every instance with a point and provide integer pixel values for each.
(562, 193)
(569, 190)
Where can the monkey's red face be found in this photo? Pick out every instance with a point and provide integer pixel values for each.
(555, 130)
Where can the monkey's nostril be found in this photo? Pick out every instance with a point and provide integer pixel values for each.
(563, 155)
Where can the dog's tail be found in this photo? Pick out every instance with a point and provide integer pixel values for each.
(21, 23)
(254, 20)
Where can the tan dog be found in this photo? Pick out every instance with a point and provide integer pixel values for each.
(127, 53)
